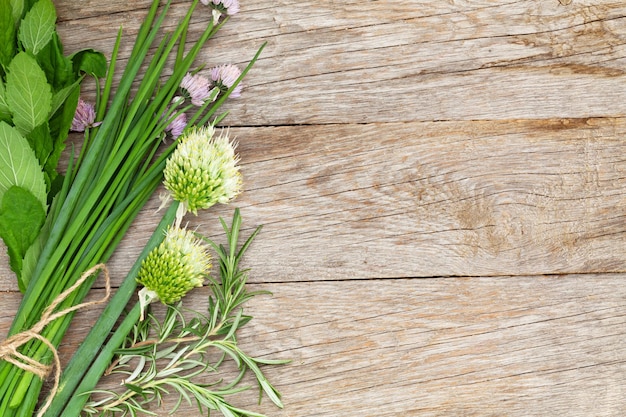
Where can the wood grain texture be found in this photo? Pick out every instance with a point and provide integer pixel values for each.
(387, 141)
(387, 61)
(424, 199)
(524, 346)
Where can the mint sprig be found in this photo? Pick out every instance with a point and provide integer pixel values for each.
(39, 91)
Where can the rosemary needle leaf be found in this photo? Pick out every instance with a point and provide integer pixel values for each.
(182, 353)
(138, 369)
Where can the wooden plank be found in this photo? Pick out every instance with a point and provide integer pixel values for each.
(431, 199)
(488, 346)
(525, 346)
(423, 199)
(354, 61)
(354, 182)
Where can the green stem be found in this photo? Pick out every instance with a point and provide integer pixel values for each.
(91, 378)
(87, 351)
(101, 249)
(83, 217)
(48, 262)
(102, 233)
(56, 249)
(223, 98)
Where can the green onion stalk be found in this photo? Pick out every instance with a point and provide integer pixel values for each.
(92, 346)
(231, 297)
(117, 171)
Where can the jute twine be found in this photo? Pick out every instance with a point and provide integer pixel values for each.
(9, 347)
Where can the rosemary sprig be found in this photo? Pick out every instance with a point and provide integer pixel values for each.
(178, 355)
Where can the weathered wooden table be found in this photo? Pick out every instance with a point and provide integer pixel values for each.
(443, 189)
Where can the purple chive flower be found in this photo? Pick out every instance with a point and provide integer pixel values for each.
(230, 7)
(84, 117)
(197, 88)
(224, 77)
(177, 125)
(220, 7)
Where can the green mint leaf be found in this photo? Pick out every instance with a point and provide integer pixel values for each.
(38, 26)
(18, 164)
(20, 8)
(17, 7)
(58, 68)
(59, 98)
(28, 93)
(28, 4)
(21, 219)
(42, 143)
(32, 256)
(7, 34)
(5, 111)
(90, 62)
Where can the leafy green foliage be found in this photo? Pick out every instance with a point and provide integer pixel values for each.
(21, 218)
(58, 68)
(21, 7)
(28, 93)
(60, 125)
(22, 196)
(38, 26)
(18, 164)
(41, 143)
(182, 355)
(42, 85)
(90, 62)
(7, 34)
(32, 256)
(65, 76)
(17, 7)
(5, 112)
(120, 168)
(61, 97)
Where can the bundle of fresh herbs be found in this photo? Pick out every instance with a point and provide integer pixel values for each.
(178, 354)
(57, 227)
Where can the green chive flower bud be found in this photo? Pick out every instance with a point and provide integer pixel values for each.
(178, 264)
(203, 170)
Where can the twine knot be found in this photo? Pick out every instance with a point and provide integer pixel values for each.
(9, 347)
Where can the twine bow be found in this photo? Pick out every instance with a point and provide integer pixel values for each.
(9, 347)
